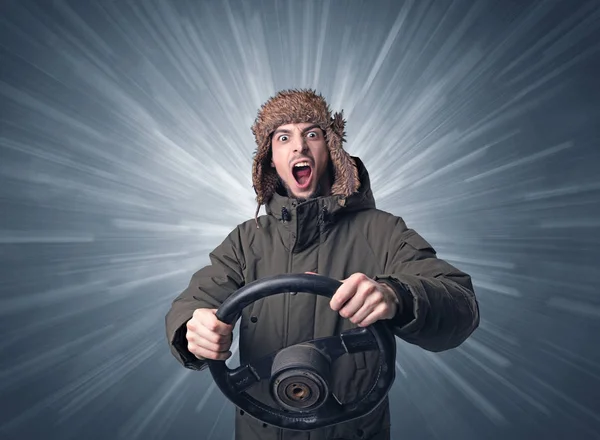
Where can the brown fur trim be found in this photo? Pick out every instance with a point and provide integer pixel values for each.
(346, 181)
(297, 106)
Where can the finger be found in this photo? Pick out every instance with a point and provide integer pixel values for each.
(201, 332)
(376, 315)
(362, 313)
(355, 303)
(196, 326)
(366, 294)
(208, 344)
(201, 352)
(370, 298)
(312, 273)
(346, 291)
(211, 322)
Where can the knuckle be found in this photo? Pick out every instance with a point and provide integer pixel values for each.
(189, 336)
(360, 276)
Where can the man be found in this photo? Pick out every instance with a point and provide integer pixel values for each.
(321, 218)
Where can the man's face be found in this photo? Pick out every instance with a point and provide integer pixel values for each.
(300, 156)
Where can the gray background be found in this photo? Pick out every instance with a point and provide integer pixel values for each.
(126, 154)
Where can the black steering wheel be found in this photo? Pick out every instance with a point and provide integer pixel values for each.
(299, 375)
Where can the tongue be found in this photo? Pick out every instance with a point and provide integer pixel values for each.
(302, 175)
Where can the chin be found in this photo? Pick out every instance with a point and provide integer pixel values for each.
(309, 193)
(303, 195)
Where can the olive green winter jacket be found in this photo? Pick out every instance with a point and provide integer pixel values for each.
(334, 237)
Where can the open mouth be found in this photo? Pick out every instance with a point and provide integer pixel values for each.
(302, 172)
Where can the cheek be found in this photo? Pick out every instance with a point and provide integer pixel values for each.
(320, 154)
(278, 162)
(282, 172)
(323, 162)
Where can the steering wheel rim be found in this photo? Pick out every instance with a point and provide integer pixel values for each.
(225, 377)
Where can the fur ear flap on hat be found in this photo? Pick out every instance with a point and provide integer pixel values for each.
(294, 107)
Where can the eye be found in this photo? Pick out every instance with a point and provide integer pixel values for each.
(312, 134)
(283, 138)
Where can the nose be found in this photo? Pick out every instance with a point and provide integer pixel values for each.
(299, 145)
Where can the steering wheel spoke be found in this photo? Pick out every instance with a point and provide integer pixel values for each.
(242, 378)
(351, 341)
(359, 340)
(262, 366)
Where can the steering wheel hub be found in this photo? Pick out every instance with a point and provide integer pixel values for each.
(300, 378)
(298, 390)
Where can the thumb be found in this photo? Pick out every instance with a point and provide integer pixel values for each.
(214, 312)
(314, 273)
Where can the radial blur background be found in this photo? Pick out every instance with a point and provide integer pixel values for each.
(125, 157)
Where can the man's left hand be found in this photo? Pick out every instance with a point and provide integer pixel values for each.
(364, 301)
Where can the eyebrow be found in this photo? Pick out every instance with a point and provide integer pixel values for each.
(283, 130)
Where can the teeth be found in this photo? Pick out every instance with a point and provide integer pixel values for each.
(302, 164)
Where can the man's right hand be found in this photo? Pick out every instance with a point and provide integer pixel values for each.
(209, 338)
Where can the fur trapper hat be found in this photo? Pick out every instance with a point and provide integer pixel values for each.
(293, 107)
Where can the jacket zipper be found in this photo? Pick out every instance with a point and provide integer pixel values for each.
(286, 299)
(286, 306)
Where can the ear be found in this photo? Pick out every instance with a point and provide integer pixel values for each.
(272, 164)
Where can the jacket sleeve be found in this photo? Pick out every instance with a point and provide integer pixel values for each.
(208, 288)
(439, 310)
